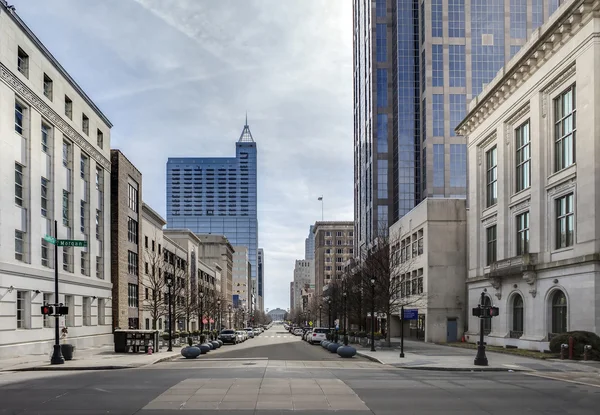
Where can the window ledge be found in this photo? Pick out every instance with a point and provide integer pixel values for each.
(561, 250)
(561, 175)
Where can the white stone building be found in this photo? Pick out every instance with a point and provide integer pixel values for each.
(54, 166)
(304, 277)
(428, 257)
(533, 155)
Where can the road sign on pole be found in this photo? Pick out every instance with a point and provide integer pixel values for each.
(71, 242)
(50, 239)
(411, 314)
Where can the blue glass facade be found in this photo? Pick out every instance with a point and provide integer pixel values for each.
(217, 196)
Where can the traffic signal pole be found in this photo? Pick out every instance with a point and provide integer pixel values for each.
(57, 358)
(481, 359)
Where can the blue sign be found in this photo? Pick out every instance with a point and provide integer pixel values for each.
(411, 314)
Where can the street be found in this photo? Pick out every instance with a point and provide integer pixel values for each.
(276, 372)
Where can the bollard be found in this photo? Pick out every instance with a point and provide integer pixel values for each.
(563, 350)
(149, 349)
(586, 350)
(571, 347)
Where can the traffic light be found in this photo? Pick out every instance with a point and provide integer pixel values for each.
(47, 310)
(477, 311)
(494, 311)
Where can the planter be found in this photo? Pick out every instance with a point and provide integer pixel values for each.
(190, 352)
(67, 351)
(216, 344)
(325, 343)
(346, 351)
(332, 347)
(209, 344)
(220, 342)
(204, 348)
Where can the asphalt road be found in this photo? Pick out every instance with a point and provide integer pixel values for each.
(270, 375)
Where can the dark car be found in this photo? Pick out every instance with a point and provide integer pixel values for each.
(228, 336)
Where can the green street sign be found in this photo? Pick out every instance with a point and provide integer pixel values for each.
(71, 242)
(50, 239)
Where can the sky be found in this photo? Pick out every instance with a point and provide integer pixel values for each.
(176, 77)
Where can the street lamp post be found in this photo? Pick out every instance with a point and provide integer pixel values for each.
(372, 314)
(219, 314)
(481, 358)
(329, 303)
(229, 308)
(201, 312)
(320, 310)
(345, 319)
(169, 285)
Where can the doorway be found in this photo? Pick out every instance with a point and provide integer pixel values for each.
(451, 330)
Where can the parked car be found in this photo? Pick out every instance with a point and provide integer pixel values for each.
(250, 332)
(256, 331)
(241, 336)
(228, 336)
(317, 335)
(297, 332)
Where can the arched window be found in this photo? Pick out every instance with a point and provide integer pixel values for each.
(517, 317)
(559, 312)
(487, 322)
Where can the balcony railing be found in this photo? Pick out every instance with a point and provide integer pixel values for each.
(513, 265)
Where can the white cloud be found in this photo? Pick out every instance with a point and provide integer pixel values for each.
(176, 78)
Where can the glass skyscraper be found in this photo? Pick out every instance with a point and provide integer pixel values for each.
(217, 195)
(417, 64)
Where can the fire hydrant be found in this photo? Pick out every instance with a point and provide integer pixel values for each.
(150, 350)
(586, 351)
(563, 350)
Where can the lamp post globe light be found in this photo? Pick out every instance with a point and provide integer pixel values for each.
(372, 314)
(169, 285)
(345, 319)
(320, 310)
(219, 314)
(329, 303)
(201, 312)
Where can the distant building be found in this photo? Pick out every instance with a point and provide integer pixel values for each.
(304, 277)
(277, 314)
(242, 283)
(309, 244)
(291, 295)
(261, 280)
(334, 242)
(217, 252)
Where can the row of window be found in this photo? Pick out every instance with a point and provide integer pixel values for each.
(48, 84)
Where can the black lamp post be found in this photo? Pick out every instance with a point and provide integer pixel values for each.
(169, 285)
(219, 314)
(481, 358)
(345, 319)
(372, 314)
(320, 310)
(229, 308)
(201, 312)
(329, 303)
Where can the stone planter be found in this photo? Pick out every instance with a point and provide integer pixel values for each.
(67, 351)
(325, 343)
(204, 348)
(332, 347)
(220, 342)
(191, 352)
(216, 344)
(346, 351)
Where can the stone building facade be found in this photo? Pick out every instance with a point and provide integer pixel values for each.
(533, 155)
(334, 245)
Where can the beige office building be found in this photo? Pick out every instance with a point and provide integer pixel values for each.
(334, 245)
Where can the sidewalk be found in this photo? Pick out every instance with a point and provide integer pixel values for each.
(101, 358)
(428, 356)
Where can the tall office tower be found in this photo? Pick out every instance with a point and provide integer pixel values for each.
(416, 66)
(261, 280)
(304, 278)
(217, 195)
(309, 244)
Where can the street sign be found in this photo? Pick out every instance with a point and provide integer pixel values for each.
(71, 242)
(411, 314)
(50, 239)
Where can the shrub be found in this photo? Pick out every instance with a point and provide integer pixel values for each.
(581, 338)
(165, 336)
(183, 334)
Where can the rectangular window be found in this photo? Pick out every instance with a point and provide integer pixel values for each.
(47, 300)
(133, 198)
(438, 166)
(564, 130)
(518, 19)
(68, 107)
(19, 118)
(98, 179)
(565, 224)
(382, 133)
(380, 8)
(85, 124)
(65, 153)
(437, 56)
(98, 223)
(67, 258)
(132, 231)
(99, 268)
(45, 254)
(65, 208)
(84, 263)
(456, 18)
(146, 242)
(132, 295)
(82, 166)
(381, 42)
(132, 263)
(438, 115)
(458, 110)
(48, 87)
(491, 177)
(100, 139)
(382, 179)
(19, 245)
(22, 310)
(457, 65)
(491, 245)
(18, 184)
(23, 62)
(436, 18)
(382, 88)
(523, 160)
(45, 133)
(458, 165)
(523, 233)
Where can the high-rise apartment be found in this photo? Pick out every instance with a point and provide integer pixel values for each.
(54, 168)
(309, 244)
(334, 242)
(416, 66)
(217, 195)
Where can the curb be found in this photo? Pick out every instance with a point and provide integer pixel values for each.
(369, 357)
(68, 368)
(460, 369)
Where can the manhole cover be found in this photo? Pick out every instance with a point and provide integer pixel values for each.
(248, 364)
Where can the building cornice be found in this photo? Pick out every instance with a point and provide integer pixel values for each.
(10, 11)
(182, 232)
(34, 101)
(152, 214)
(544, 43)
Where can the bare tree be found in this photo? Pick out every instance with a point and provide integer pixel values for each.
(156, 303)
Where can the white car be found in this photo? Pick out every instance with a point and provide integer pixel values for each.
(298, 332)
(318, 335)
(241, 336)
